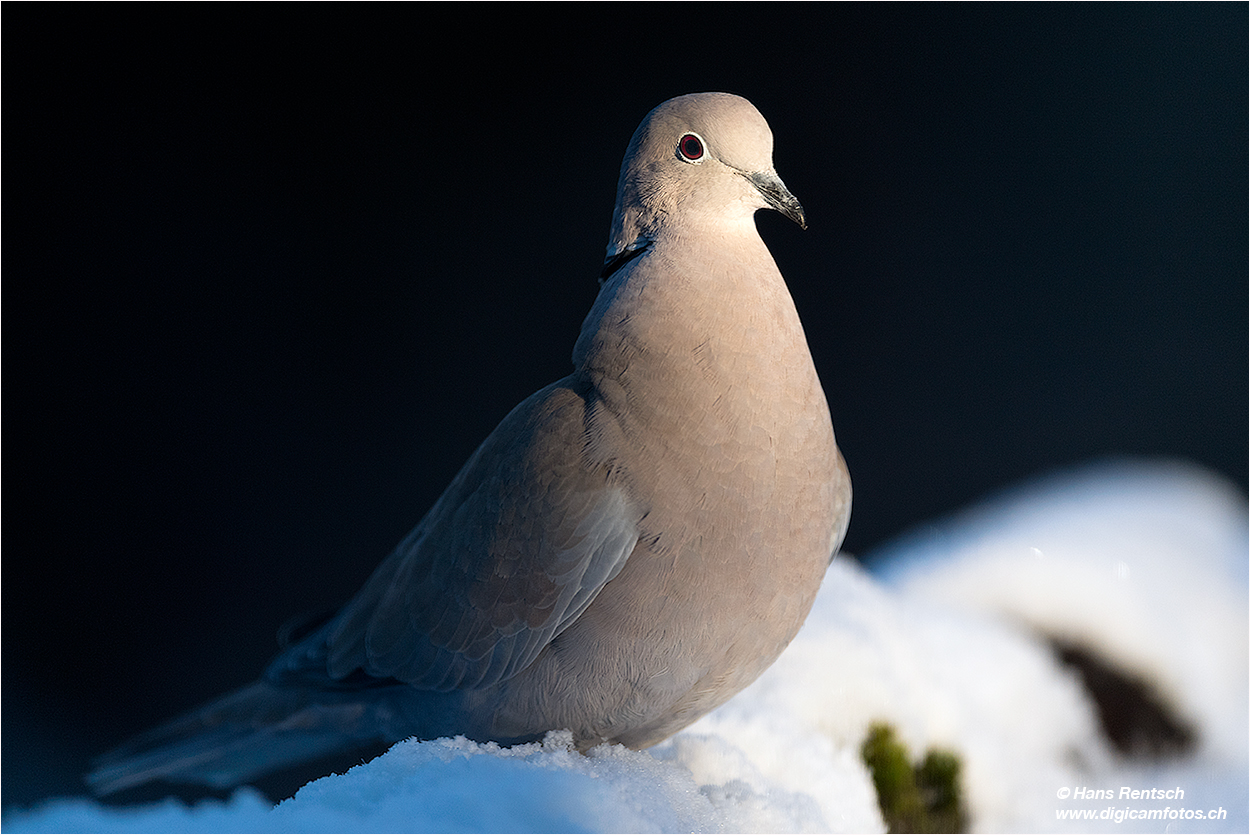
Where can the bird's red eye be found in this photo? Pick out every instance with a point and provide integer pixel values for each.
(690, 147)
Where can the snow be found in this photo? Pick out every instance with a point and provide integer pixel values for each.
(1143, 561)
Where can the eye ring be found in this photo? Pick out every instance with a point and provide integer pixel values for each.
(691, 148)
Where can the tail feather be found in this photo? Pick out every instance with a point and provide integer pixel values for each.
(248, 733)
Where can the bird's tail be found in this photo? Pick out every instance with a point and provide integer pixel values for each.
(259, 729)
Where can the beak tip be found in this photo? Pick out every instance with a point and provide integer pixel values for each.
(795, 212)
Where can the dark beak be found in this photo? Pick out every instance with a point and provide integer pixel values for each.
(778, 196)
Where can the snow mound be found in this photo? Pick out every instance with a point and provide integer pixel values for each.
(1146, 562)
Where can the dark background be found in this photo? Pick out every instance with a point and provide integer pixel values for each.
(272, 273)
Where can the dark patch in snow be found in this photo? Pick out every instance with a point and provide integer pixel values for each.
(1134, 715)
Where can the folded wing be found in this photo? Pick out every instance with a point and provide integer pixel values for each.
(521, 542)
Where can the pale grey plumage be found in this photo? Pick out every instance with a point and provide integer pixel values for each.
(629, 548)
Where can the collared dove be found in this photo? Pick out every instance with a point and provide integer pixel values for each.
(631, 546)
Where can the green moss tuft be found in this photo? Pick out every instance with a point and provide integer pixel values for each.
(926, 798)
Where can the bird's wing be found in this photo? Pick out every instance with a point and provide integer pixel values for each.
(521, 542)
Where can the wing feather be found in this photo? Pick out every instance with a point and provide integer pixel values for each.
(522, 541)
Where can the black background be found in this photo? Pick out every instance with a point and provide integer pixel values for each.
(272, 273)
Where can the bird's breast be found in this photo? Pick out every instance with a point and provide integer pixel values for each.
(709, 382)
